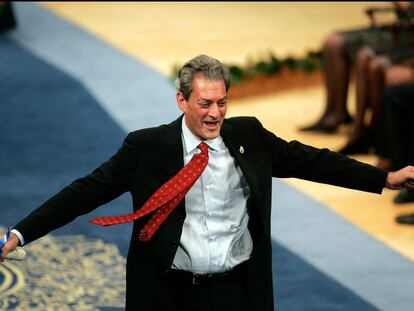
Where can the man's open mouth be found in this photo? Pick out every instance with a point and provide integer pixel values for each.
(211, 123)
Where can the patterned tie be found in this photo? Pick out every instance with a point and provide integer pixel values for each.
(165, 199)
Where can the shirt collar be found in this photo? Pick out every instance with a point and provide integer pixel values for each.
(191, 141)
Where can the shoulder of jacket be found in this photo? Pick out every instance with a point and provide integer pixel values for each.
(147, 134)
(242, 120)
(249, 123)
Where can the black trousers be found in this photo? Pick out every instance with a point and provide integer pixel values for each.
(222, 294)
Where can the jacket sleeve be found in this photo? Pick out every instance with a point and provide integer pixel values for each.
(295, 159)
(83, 195)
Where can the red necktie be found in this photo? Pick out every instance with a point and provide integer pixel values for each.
(166, 198)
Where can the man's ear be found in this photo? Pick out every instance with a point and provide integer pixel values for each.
(181, 102)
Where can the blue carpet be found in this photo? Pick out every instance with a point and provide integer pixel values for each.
(299, 286)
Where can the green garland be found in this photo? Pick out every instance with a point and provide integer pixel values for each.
(269, 65)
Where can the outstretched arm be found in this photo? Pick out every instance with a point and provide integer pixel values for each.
(404, 178)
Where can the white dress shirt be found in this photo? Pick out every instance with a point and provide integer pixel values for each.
(215, 237)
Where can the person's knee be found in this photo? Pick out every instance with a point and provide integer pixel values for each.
(364, 57)
(378, 65)
(334, 43)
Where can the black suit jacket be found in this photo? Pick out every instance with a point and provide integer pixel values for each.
(150, 157)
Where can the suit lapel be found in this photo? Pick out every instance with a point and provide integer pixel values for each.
(172, 149)
(241, 153)
(244, 158)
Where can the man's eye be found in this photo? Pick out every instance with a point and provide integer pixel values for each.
(223, 103)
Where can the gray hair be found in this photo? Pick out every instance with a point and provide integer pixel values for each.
(207, 66)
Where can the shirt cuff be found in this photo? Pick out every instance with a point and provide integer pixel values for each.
(19, 235)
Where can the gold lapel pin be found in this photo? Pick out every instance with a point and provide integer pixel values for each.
(241, 149)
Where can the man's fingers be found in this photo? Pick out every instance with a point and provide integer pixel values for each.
(410, 177)
(10, 245)
(404, 178)
(5, 250)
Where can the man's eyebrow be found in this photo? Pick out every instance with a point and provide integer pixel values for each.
(209, 100)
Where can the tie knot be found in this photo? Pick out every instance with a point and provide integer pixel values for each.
(203, 147)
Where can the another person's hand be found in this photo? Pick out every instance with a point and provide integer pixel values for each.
(10, 245)
(404, 178)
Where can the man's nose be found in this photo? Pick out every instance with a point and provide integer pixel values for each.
(213, 110)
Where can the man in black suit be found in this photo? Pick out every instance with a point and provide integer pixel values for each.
(213, 252)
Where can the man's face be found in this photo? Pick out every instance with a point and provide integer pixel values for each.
(206, 107)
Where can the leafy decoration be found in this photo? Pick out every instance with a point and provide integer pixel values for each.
(269, 65)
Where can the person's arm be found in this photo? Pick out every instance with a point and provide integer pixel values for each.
(294, 159)
(297, 160)
(107, 182)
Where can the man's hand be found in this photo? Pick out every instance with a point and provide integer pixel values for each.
(10, 245)
(404, 178)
